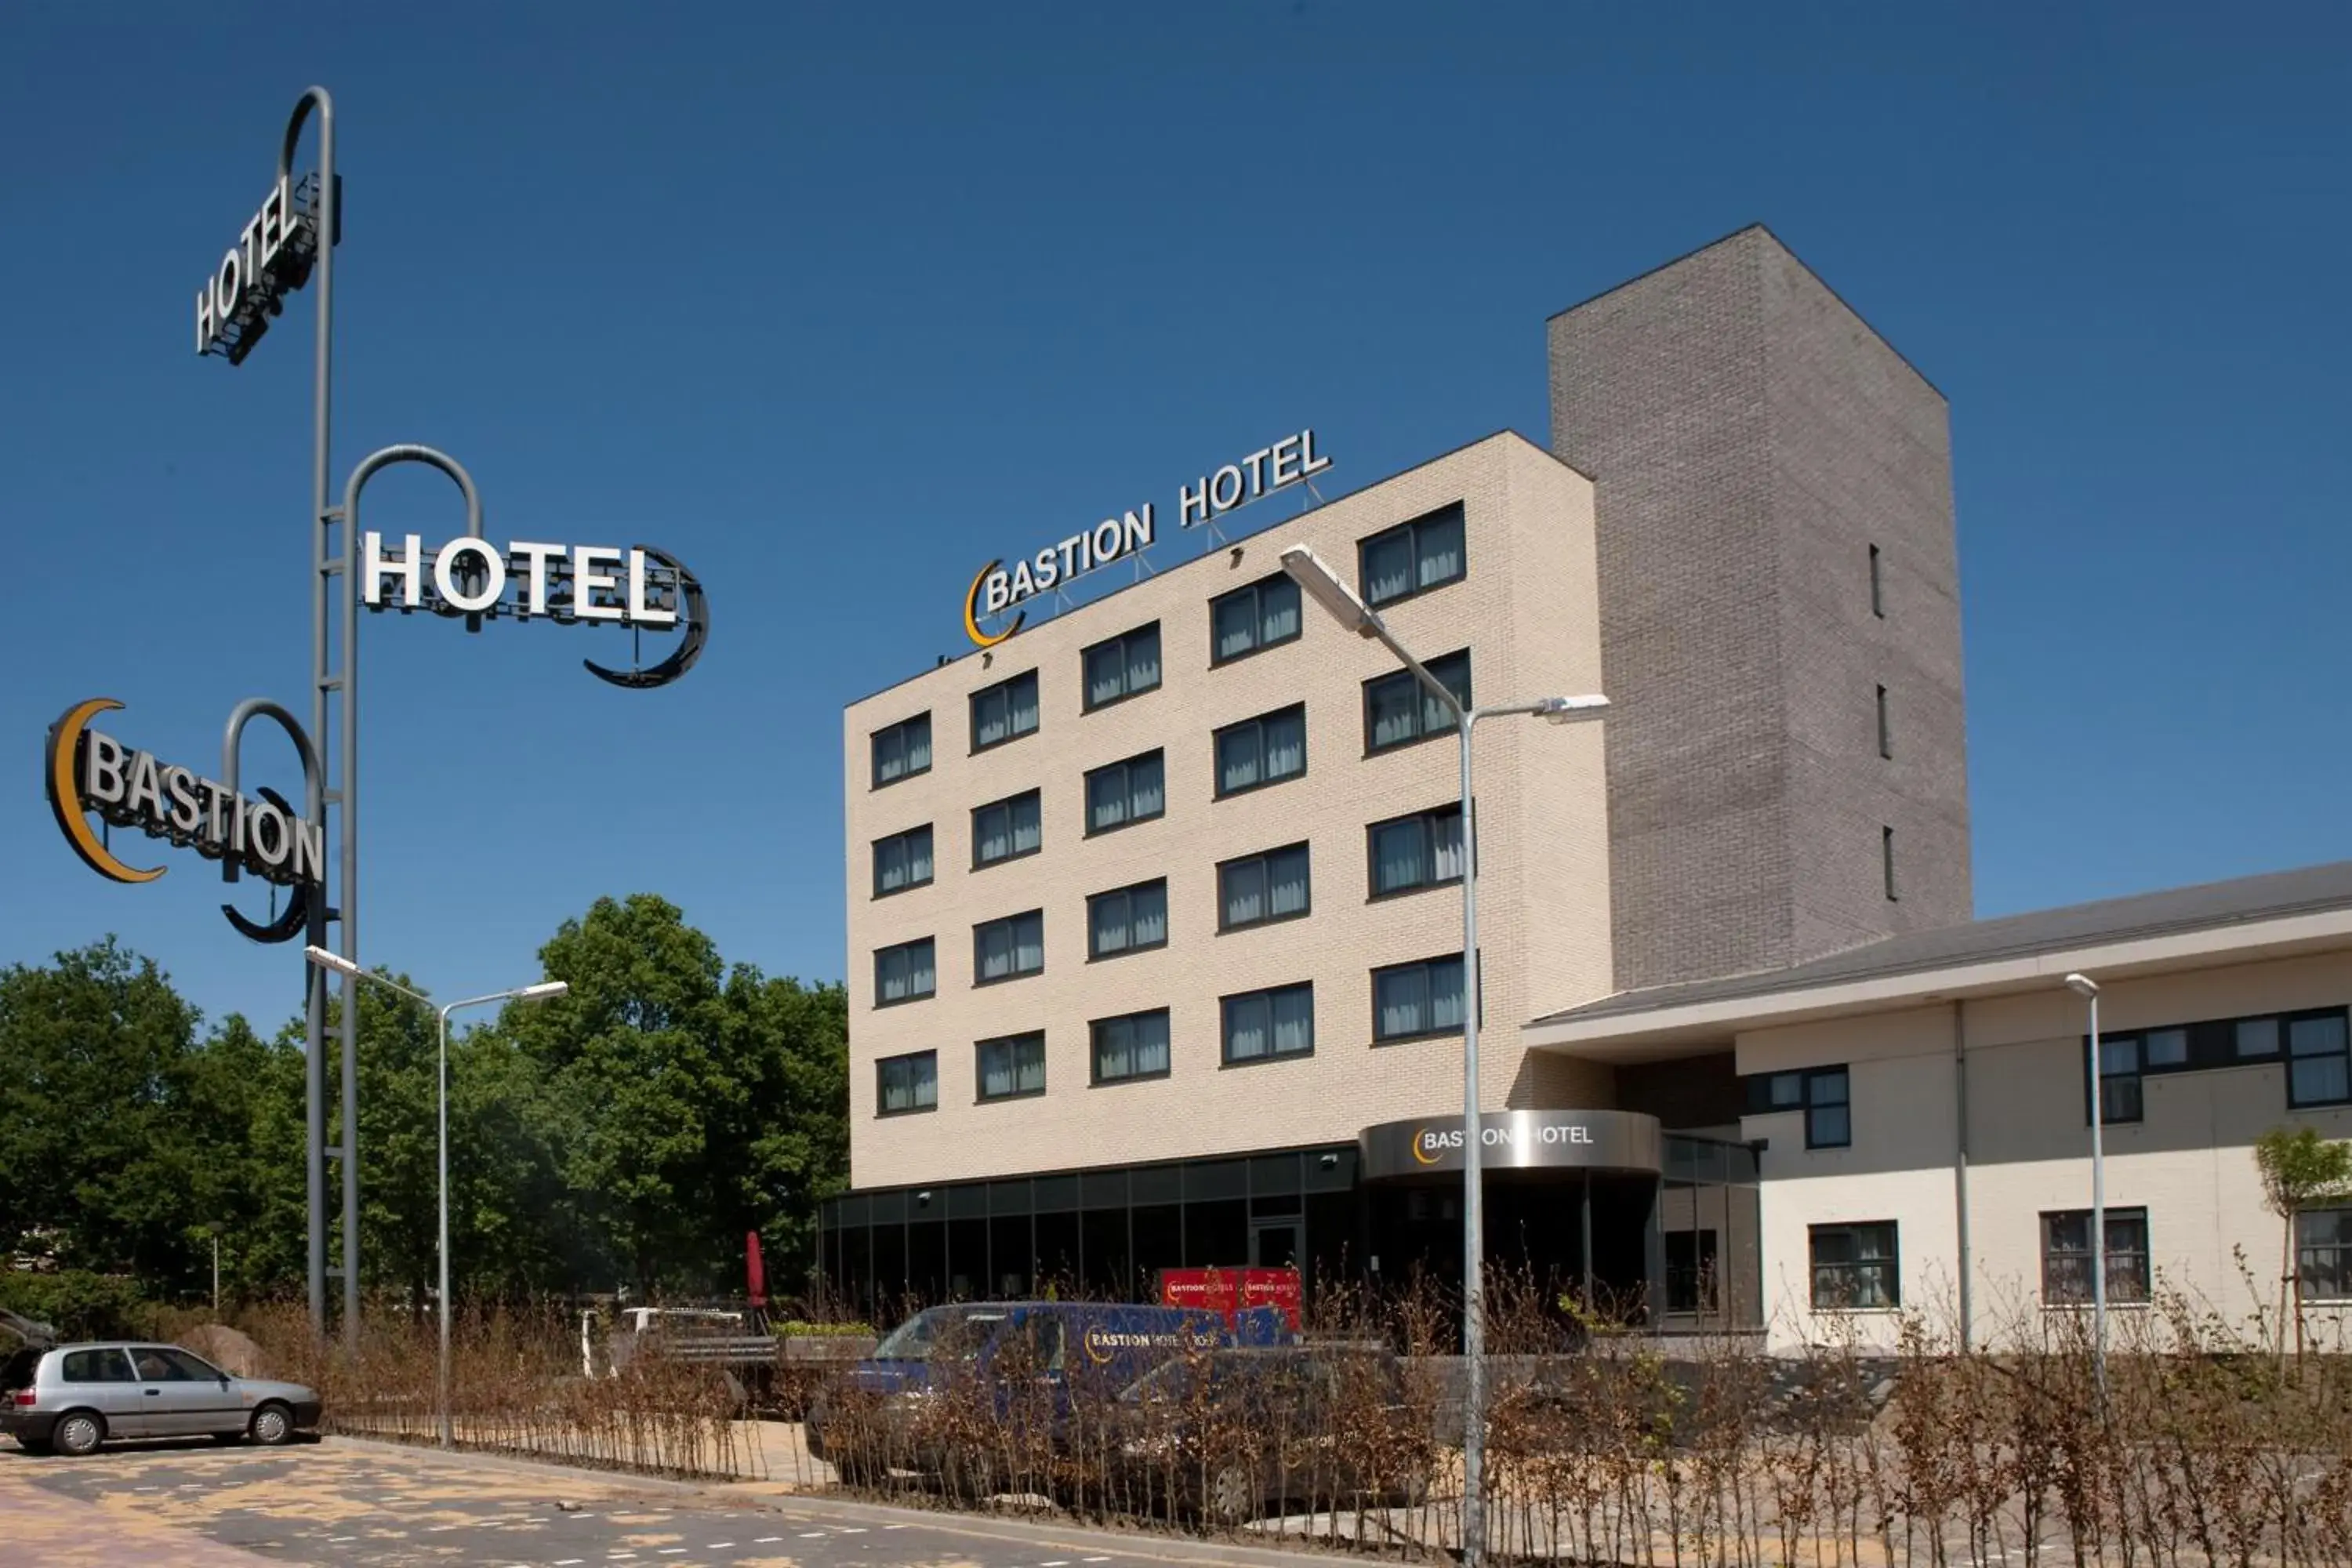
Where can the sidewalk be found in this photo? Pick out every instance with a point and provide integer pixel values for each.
(60, 1531)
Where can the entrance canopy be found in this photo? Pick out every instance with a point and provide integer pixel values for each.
(1616, 1141)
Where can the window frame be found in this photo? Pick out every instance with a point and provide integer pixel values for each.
(1008, 801)
(1763, 1102)
(979, 1095)
(928, 831)
(881, 1066)
(1423, 963)
(1225, 1057)
(1086, 793)
(1087, 703)
(1887, 861)
(1254, 587)
(2046, 1222)
(1877, 583)
(1093, 1049)
(874, 744)
(1038, 706)
(1411, 528)
(1305, 845)
(979, 927)
(2341, 1247)
(1885, 728)
(1373, 892)
(1216, 750)
(1892, 1262)
(882, 952)
(1421, 736)
(2289, 1056)
(1127, 892)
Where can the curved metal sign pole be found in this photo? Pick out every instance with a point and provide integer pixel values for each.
(304, 916)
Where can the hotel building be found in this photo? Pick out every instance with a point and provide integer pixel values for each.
(1155, 908)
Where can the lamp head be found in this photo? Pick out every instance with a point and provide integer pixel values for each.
(545, 991)
(1568, 710)
(334, 961)
(2081, 985)
(1326, 588)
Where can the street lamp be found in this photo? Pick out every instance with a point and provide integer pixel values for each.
(2083, 985)
(545, 990)
(1328, 588)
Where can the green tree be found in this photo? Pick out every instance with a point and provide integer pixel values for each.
(2299, 1168)
(787, 1149)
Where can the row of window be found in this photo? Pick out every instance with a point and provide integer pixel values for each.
(2315, 1044)
(1857, 1268)
(1410, 1002)
(1396, 563)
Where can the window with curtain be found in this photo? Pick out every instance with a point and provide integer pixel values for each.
(1135, 1046)
(1855, 1268)
(902, 750)
(1398, 710)
(1122, 794)
(1126, 920)
(1006, 830)
(1425, 998)
(1422, 850)
(1256, 889)
(1123, 666)
(904, 974)
(1412, 557)
(2323, 1252)
(1259, 616)
(1013, 1067)
(2066, 1257)
(1275, 1023)
(902, 861)
(1009, 947)
(1262, 750)
(1004, 711)
(907, 1083)
(2317, 1063)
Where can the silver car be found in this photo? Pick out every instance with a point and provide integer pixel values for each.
(71, 1398)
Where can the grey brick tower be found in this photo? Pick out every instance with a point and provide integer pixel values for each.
(1774, 488)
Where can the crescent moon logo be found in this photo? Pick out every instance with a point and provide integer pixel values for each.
(1420, 1143)
(971, 611)
(64, 800)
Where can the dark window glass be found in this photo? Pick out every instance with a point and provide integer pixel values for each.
(1013, 1067)
(1855, 1268)
(1829, 1123)
(1886, 859)
(1258, 888)
(1123, 666)
(907, 1083)
(2066, 1257)
(168, 1364)
(1260, 615)
(96, 1366)
(1886, 732)
(1275, 1023)
(1398, 710)
(1421, 851)
(1126, 920)
(1004, 711)
(1414, 999)
(1262, 750)
(1877, 584)
(1135, 1046)
(2255, 1037)
(2120, 1096)
(1412, 557)
(902, 861)
(2316, 1061)
(902, 751)
(904, 974)
(1009, 947)
(2323, 1249)
(1006, 830)
(1691, 1272)
(1121, 793)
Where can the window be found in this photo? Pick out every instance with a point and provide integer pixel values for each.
(1013, 1067)
(1412, 557)
(169, 1364)
(96, 1366)
(1398, 710)
(1854, 1268)
(2125, 1060)
(1122, 794)
(1410, 1000)
(1262, 750)
(904, 974)
(1422, 850)
(1133, 1046)
(1822, 1093)
(1128, 920)
(2316, 1061)
(1691, 1272)
(2066, 1257)
(2322, 1254)
(1877, 590)
(1257, 890)
(907, 1083)
(1009, 947)
(902, 861)
(1004, 711)
(1276, 1023)
(1125, 666)
(1004, 830)
(1886, 859)
(902, 751)
(1249, 620)
(2255, 1037)
(1885, 735)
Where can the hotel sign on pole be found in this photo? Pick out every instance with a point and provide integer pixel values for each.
(997, 591)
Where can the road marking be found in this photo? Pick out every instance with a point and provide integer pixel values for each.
(541, 1519)
(898, 1527)
(853, 1529)
(1094, 1559)
(671, 1550)
(718, 1546)
(811, 1535)
(1054, 1562)
(764, 1539)
(339, 1540)
(568, 1562)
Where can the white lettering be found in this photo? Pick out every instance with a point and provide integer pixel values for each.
(1314, 464)
(534, 557)
(1218, 499)
(1024, 584)
(374, 568)
(1048, 564)
(587, 579)
(180, 785)
(1256, 462)
(213, 796)
(205, 328)
(310, 851)
(228, 286)
(1106, 539)
(996, 592)
(1137, 531)
(274, 227)
(271, 841)
(640, 611)
(145, 795)
(1188, 502)
(450, 583)
(1286, 461)
(101, 769)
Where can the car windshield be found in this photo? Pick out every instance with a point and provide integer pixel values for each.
(940, 1333)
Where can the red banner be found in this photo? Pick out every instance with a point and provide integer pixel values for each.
(1227, 1290)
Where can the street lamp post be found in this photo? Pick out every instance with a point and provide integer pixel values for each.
(544, 991)
(1329, 589)
(2083, 985)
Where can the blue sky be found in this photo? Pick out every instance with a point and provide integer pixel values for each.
(836, 303)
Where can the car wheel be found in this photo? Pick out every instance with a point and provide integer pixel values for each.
(272, 1426)
(1233, 1496)
(78, 1433)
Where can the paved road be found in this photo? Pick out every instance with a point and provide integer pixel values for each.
(372, 1504)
